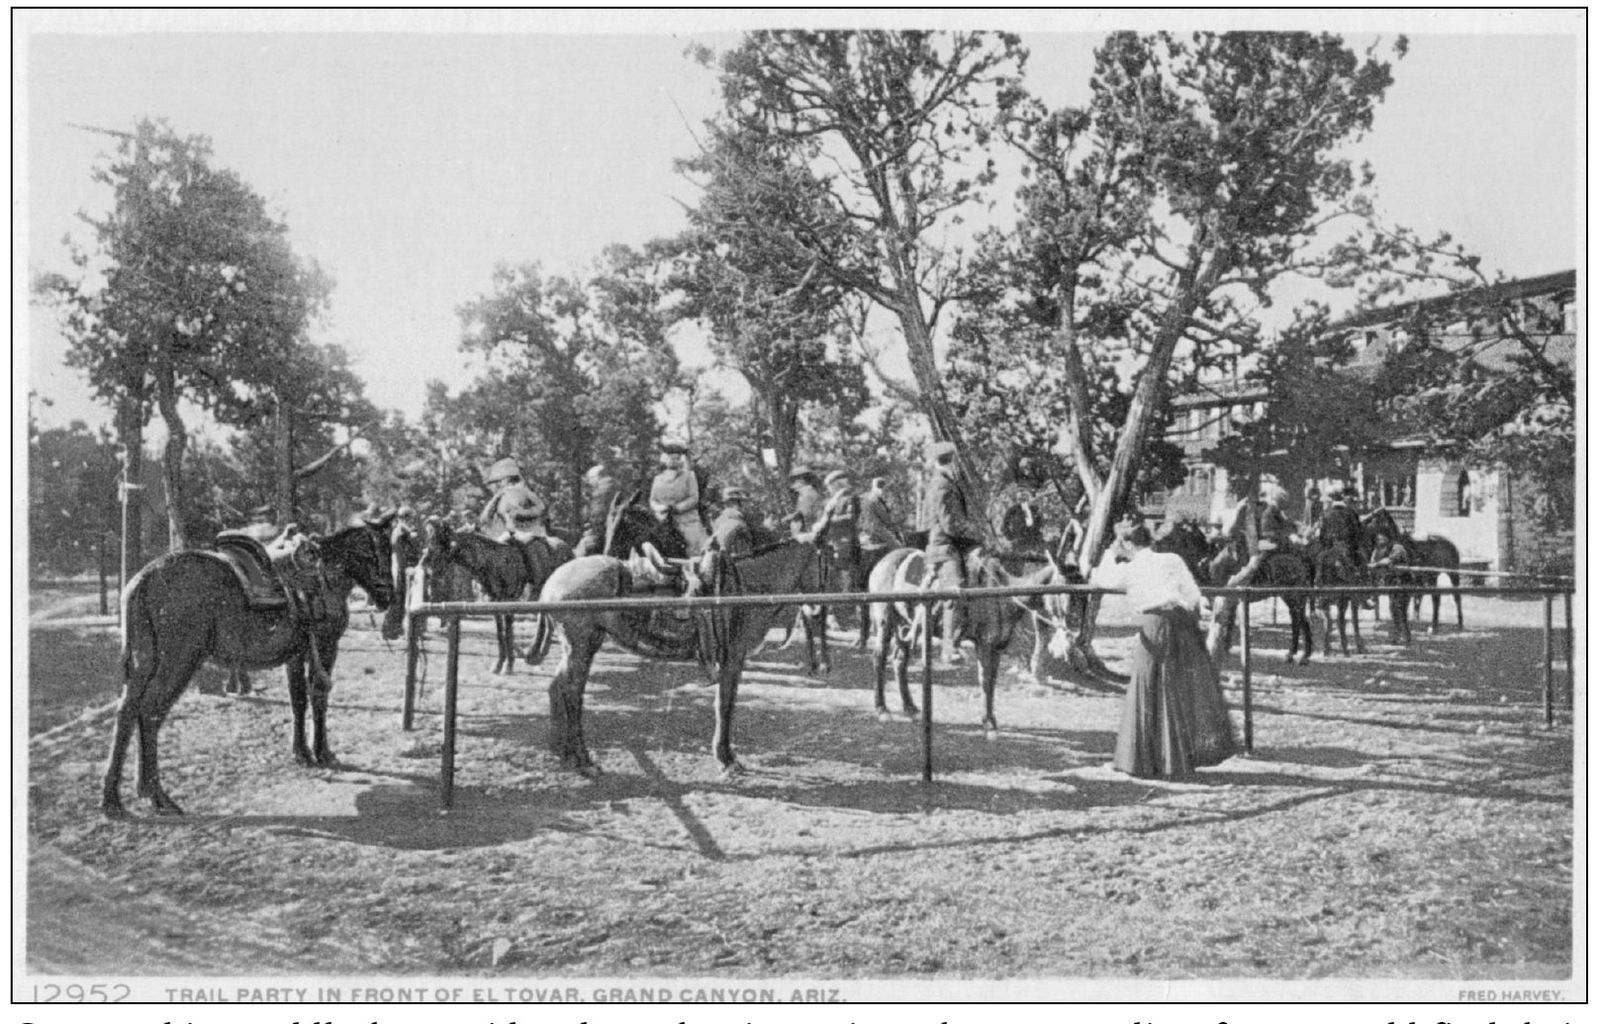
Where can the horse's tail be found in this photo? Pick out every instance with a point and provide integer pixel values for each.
(138, 632)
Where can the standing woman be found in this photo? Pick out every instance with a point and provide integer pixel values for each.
(1174, 717)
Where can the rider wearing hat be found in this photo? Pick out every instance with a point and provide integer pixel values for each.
(953, 531)
(1339, 529)
(1273, 531)
(805, 485)
(675, 496)
(732, 530)
(500, 517)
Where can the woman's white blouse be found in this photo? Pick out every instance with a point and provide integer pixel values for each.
(1153, 580)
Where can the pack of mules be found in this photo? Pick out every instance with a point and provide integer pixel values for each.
(238, 608)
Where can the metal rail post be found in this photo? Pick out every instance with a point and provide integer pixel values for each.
(1244, 655)
(1572, 655)
(408, 713)
(927, 692)
(1549, 659)
(447, 781)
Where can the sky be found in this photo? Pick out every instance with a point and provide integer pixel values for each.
(410, 154)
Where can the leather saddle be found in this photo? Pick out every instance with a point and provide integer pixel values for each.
(264, 587)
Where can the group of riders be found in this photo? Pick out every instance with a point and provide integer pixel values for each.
(856, 526)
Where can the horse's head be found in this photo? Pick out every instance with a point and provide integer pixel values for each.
(365, 556)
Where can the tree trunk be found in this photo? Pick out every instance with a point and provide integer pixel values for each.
(283, 497)
(172, 464)
(1149, 398)
(131, 428)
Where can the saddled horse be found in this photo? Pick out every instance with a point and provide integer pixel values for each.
(506, 571)
(1283, 567)
(989, 622)
(191, 605)
(1438, 554)
(1334, 566)
(719, 639)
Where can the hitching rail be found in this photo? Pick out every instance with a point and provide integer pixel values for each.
(452, 612)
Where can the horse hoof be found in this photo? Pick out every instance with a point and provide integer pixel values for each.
(113, 810)
(589, 771)
(912, 715)
(732, 770)
(883, 715)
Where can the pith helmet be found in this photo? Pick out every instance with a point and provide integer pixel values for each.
(503, 470)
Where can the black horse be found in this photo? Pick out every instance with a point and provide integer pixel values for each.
(189, 606)
(1334, 566)
(1437, 554)
(505, 571)
(1281, 567)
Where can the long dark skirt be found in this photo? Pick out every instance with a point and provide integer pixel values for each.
(1174, 717)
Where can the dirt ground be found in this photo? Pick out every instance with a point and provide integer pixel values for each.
(1405, 814)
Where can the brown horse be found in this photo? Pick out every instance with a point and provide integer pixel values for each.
(1437, 553)
(189, 606)
(720, 639)
(505, 571)
(990, 623)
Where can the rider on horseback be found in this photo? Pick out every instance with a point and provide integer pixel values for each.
(1339, 529)
(1273, 531)
(953, 532)
(514, 508)
(675, 496)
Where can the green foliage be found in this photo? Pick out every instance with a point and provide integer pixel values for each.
(573, 371)
(188, 291)
(888, 132)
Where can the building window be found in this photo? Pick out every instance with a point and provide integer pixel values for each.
(1463, 494)
(1391, 490)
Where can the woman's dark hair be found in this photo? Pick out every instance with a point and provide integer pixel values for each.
(1139, 536)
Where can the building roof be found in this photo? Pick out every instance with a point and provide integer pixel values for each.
(1522, 288)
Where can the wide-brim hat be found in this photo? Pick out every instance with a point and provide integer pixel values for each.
(734, 494)
(263, 512)
(941, 449)
(526, 515)
(802, 473)
(502, 470)
(674, 446)
(837, 475)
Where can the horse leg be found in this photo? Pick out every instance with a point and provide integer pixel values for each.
(298, 700)
(1327, 629)
(1355, 624)
(1433, 592)
(988, 671)
(321, 685)
(1455, 591)
(1303, 611)
(499, 645)
(508, 645)
(169, 681)
(566, 700)
(727, 694)
(880, 661)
